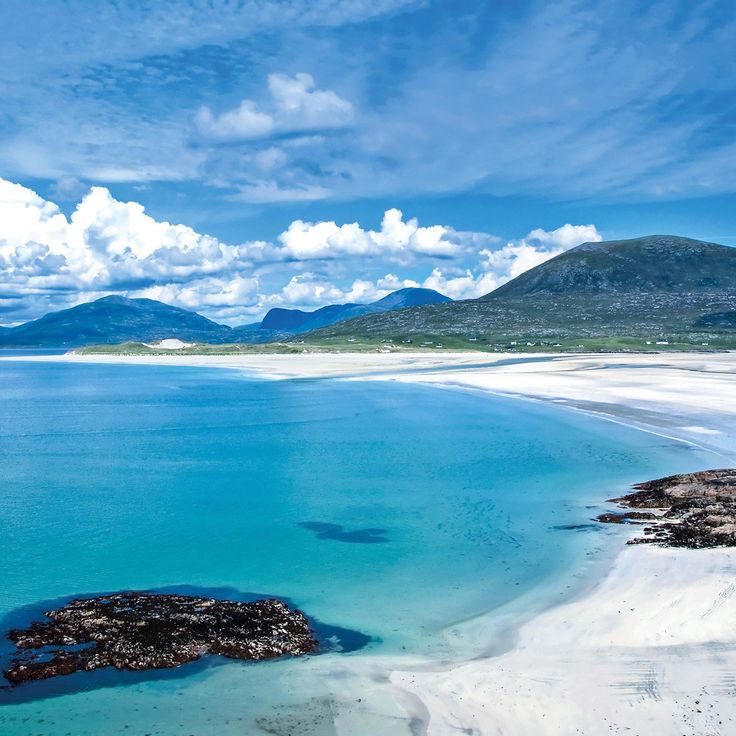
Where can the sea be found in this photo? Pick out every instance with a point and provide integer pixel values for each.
(391, 513)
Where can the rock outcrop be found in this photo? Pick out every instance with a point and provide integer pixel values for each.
(688, 510)
(142, 631)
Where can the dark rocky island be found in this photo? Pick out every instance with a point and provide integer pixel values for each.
(689, 510)
(142, 631)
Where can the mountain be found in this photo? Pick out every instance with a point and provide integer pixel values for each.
(114, 319)
(654, 264)
(409, 297)
(297, 321)
(649, 287)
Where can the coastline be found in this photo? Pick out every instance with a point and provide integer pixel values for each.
(648, 648)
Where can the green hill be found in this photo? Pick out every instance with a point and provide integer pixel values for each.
(626, 292)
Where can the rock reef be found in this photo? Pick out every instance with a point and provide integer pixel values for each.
(142, 631)
(689, 510)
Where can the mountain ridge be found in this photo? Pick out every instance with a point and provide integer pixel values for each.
(297, 320)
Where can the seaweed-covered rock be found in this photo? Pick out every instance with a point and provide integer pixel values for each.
(141, 631)
(626, 517)
(695, 509)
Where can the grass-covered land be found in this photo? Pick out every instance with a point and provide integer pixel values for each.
(498, 343)
(425, 343)
(283, 348)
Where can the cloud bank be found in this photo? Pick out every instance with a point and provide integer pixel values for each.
(51, 261)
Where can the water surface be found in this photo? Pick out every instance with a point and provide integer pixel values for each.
(388, 509)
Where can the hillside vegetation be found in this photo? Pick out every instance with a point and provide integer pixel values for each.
(659, 289)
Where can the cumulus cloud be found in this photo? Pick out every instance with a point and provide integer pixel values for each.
(567, 236)
(295, 105)
(211, 294)
(109, 245)
(301, 106)
(397, 239)
(462, 285)
(244, 122)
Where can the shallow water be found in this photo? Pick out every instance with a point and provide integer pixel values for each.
(388, 509)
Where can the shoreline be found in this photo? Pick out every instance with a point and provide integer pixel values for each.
(649, 647)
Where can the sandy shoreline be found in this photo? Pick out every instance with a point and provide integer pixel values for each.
(651, 649)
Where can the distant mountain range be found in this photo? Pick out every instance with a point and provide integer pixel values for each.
(294, 320)
(656, 287)
(116, 319)
(653, 286)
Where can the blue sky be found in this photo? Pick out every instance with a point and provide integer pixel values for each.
(496, 122)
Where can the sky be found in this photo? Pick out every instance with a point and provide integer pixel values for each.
(229, 156)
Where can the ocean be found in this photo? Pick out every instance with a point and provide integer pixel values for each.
(394, 512)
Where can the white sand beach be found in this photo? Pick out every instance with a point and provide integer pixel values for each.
(650, 649)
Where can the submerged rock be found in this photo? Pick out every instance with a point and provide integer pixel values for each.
(141, 631)
(695, 509)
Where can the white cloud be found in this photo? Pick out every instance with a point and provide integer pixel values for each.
(240, 292)
(538, 246)
(301, 106)
(296, 105)
(567, 236)
(245, 121)
(495, 267)
(307, 289)
(397, 239)
(109, 245)
(463, 285)
(310, 290)
(106, 245)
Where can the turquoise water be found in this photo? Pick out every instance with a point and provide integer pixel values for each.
(388, 509)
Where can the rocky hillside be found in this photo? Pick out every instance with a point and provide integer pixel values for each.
(654, 287)
(657, 264)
